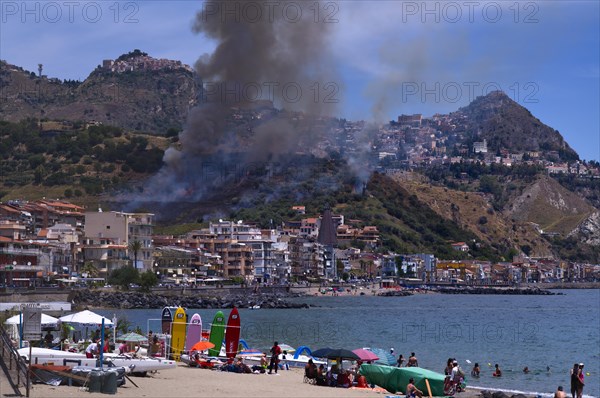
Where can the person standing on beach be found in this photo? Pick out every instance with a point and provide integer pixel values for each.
(275, 351)
(412, 360)
(581, 379)
(574, 380)
(400, 361)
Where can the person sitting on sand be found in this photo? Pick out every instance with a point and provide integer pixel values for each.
(560, 393)
(412, 391)
(332, 376)
(476, 370)
(344, 379)
(321, 376)
(310, 370)
(263, 361)
(497, 372)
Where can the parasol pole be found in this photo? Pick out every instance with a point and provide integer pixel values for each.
(102, 344)
(114, 320)
(428, 387)
(21, 330)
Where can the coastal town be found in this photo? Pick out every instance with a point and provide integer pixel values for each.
(52, 242)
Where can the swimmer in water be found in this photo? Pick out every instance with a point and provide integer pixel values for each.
(525, 370)
(497, 372)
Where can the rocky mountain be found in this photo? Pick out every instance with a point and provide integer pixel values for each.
(508, 125)
(150, 96)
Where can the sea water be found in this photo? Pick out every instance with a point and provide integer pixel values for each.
(539, 332)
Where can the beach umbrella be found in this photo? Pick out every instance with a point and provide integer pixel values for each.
(86, 318)
(321, 352)
(365, 355)
(287, 347)
(341, 353)
(385, 357)
(132, 337)
(202, 345)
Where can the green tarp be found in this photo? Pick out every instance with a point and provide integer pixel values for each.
(396, 379)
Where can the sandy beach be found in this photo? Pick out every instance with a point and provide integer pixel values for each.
(191, 382)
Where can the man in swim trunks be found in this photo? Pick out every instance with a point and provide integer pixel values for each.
(560, 393)
(412, 391)
(412, 360)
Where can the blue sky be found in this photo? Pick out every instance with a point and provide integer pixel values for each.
(389, 57)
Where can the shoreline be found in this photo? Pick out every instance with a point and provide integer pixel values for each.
(212, 298)
(185, 381)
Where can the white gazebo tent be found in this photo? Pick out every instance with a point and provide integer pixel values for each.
(86, 317)
(14, 321)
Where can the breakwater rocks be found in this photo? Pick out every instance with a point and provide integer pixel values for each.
(395, 293)
(129, 300)
(495, 290)
(502, 394)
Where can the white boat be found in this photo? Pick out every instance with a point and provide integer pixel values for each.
(292, 362)
(56, 357)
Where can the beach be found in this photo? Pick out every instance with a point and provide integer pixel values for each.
(192, 382)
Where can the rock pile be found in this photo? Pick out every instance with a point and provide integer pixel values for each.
(128, 300)
(494, 290)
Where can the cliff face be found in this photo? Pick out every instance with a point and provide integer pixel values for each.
(551, 206)
(145, 100)
(589, 230)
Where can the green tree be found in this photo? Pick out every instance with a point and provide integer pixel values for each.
(135, 246)
(90, 269)
(339, 266)
(124, 276)
(39, 174)
(124, 325)
(148, 280)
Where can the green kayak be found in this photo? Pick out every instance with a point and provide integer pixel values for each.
(396, 379)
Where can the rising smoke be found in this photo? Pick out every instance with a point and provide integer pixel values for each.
(274, 56)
